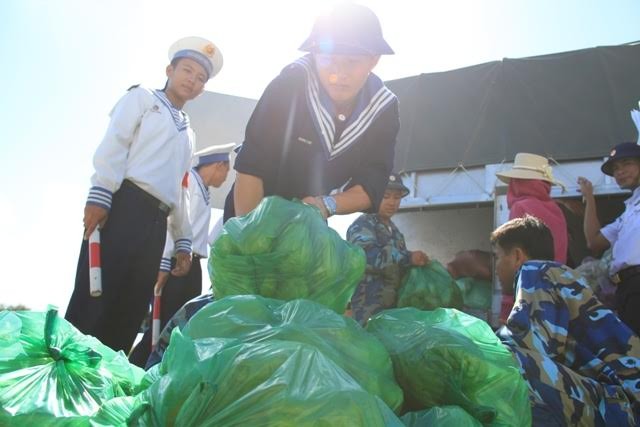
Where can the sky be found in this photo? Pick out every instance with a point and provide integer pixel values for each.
(66, 62)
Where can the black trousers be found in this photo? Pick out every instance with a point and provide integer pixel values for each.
(176, 293)
(628, 302)
(132, 242)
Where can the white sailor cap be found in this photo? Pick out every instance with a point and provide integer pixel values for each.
(200, 50)
(213, 154)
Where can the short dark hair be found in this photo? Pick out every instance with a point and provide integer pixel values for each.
(529, 234)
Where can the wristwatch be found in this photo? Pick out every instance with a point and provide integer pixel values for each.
(330, 204)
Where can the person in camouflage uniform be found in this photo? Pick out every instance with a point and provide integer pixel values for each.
(580, 361)
(386, 251)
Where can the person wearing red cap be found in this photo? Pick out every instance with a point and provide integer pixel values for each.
(138, 190)
(622, 235)
(324, 130)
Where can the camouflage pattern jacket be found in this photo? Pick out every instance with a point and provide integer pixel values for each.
(581, 362)
(387, 260)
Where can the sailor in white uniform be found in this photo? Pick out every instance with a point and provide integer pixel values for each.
(211, 167)
(138, 190)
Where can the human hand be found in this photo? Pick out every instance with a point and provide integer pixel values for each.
(317, 202)
(419, 258)
(94, 216)
(586, 187)
(183, 264)
(161, 280)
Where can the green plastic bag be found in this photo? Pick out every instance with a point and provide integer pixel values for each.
(440, 416)
(119, 412)
(51, 374)
(285, 250)
(251, 318)
(446, 357)
(476, 294)
(428, 288)
(271, 383)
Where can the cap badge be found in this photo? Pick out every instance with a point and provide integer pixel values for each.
(392, 178)
(613, 153)
(209, 50)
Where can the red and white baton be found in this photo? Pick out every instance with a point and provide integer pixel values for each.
(155, 317)
(95, 269)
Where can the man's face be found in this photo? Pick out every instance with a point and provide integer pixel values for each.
(342, 76)
(507, 266)
(390, 203)
(219, 175)
(627, 173)
(214, 174)
(186, 79)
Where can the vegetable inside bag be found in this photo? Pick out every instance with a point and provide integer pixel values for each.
(285, 250)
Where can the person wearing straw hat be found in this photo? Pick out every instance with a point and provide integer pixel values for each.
(211, 166)
(529, 193)
(325, 123)
(138, 189)
(386, 252)
(622, 235)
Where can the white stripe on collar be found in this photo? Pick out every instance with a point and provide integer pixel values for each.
(323, 120)
(180, 118)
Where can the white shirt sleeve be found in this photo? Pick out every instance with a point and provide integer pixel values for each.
(611, 231)
(110, 159)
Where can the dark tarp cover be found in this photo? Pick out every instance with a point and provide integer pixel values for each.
(573, 105)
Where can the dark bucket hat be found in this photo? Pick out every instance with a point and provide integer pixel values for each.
(395, 183)
(620, 151)
(349, 29)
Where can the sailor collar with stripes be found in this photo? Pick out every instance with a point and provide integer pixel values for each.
(180, 118)
(202, 186)
(372, 100)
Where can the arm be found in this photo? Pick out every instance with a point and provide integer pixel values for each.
(110, 159)
(591, 226)
(377, 154)
(258, 162)
(247, 193)
(355, 199)
(179, 226)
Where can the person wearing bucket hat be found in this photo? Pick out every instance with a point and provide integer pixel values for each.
(623, 234)
(136, 193)
(325, 123)
(386, 251)
(210, 169)
(529, 193)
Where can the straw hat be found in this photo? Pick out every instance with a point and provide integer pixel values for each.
(529, 166)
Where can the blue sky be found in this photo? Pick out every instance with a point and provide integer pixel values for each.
(66, 62)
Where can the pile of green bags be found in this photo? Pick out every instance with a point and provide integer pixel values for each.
(429, 287)
(446, 357)
(210, 382)
(285, 250)
(250, 318)
(51, 374)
